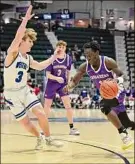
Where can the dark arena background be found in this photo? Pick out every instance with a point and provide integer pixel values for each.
(111, 24)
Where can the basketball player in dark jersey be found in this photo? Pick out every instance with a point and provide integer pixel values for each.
(100, 68)
(58, 76)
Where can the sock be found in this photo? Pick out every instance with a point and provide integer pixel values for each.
(71, 126)
(122, 130)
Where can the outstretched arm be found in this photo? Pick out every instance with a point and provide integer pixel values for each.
(13, 49)
(44, 64)
(78, 76)
(41, 65)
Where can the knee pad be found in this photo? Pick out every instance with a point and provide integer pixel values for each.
(105, 110)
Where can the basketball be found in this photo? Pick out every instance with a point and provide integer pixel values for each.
(109, 89)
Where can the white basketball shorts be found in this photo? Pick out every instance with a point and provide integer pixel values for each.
(21, 101)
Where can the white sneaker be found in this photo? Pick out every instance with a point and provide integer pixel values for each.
(74, 131)
(39, 144)
(127, 141)
(52, 142)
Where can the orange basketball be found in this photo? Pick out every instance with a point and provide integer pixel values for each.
(109, 89)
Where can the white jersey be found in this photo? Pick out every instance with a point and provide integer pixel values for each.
(15, 75)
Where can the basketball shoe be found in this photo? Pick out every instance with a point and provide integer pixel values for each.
(39, 144)
(50, 141)
(127, 141)
(74, 131)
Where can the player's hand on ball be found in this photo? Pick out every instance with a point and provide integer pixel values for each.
(60, 80)
(120, 82)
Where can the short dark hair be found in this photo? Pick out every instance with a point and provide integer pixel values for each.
(93, 45)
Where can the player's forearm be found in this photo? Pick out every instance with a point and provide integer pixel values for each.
(76, 79)
(71, 85)
(50, 76)
(46, 63)
(21, 30)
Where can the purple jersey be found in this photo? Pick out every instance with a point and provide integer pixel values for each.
(102, 74)
(58, 68)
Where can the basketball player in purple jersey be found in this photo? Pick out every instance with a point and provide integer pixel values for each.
(58, 75)
(100, 68)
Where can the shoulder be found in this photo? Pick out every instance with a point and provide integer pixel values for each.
(69, 57)
(10, 58)
(109, 62)
(30, 57)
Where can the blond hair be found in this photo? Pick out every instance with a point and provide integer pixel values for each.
(31, 34)
(61, 43)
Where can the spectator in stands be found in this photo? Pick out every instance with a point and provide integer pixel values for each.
(74, 59)
(84, 93)
(58, 102)
(39, 24)
(96, 101)
(89, 25)
(76, 48)
(77, 52)
(129, 30)
(85, 97)
(46, 26)
(130, 27)
(55, 26)
(79, 103)
(73, 102)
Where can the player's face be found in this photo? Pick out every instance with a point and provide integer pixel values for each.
(28, 43)
(61, 49)
(91, 56)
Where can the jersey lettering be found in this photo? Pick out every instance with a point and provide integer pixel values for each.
(19, 78)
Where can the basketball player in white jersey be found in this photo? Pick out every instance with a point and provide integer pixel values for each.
(17, 92)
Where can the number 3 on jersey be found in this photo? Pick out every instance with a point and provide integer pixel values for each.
(19, 78)
(59, 72)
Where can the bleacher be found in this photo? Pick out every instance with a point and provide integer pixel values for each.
(80, 36)
(40, 51)
(130, 52)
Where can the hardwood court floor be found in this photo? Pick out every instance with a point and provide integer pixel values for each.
(99, 142)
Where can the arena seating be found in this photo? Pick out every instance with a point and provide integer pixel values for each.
(40, 50)
(80, 36)
(130, 52)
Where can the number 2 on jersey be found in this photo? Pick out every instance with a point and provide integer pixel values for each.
(59, 72)
(19, 78)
